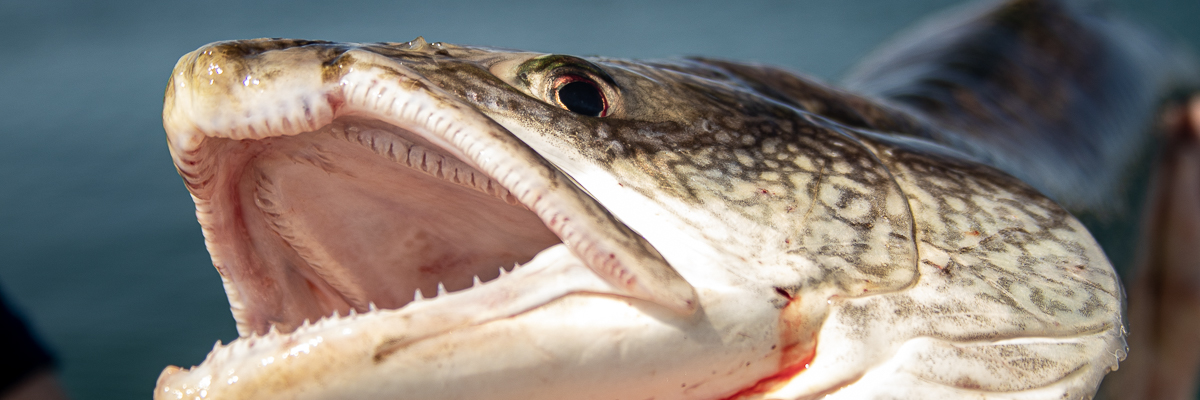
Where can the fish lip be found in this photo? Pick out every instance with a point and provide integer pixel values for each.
(364, 84)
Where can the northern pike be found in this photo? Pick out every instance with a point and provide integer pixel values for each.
(432, 221)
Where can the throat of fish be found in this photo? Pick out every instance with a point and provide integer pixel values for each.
(360, 215)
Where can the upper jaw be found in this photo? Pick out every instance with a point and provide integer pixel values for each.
(226, 97)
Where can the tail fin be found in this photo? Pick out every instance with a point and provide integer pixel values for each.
(1055, 93)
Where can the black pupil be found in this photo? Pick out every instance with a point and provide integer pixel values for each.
(581, 98)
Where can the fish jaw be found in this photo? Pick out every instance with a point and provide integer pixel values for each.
(491, 341)
(358, 83)
(623, 288)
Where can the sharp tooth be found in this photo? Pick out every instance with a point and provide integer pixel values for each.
(353, 312)
(441, 289)
(305, 324)
(215, 349)
(502, 271)
(371, 306)
(418, 296)
(476, 282)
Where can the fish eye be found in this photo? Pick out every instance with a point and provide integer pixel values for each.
(580, 95)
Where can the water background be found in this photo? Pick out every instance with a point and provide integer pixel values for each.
(99, 246)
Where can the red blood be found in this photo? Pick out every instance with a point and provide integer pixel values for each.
(799, 347)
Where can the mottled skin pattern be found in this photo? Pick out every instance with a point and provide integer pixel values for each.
(1055, 93)
(903, 261)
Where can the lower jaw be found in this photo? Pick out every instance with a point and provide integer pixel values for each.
(547, 330)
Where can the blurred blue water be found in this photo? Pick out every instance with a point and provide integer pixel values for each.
(99, 242)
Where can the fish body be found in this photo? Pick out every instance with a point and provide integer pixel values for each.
(691, 229)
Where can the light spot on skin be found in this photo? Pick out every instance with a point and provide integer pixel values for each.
(686, 169)
(856, 209)
(770, 146)
(830, 196)
(804, 163)
(849, 184)
(969, 239)
(800, 181)
(895, 204)
(740, 190)
(956, 203)
(744, 158)
(933, 254)
(878, 254)
(1045, 249)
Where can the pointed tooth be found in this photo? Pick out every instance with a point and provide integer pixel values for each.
(441, 289)
(371, 307)
(305, 324)
(352, 313)
(502, 271)
(476, 282)
(216, 349)
(418, 296)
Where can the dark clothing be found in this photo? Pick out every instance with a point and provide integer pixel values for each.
(20, 353)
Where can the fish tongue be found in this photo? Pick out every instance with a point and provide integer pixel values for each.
(553, 273)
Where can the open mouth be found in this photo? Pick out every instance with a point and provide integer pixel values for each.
(375, 189)
(360, 213)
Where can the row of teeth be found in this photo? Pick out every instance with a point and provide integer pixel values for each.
(441, 288)
(242, 344)
(431, 162)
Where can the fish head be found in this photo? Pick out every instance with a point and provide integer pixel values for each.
(677, 234)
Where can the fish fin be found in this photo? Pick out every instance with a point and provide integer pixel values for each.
(1054, 92)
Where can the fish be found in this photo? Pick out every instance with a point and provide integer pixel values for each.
(434, 221)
